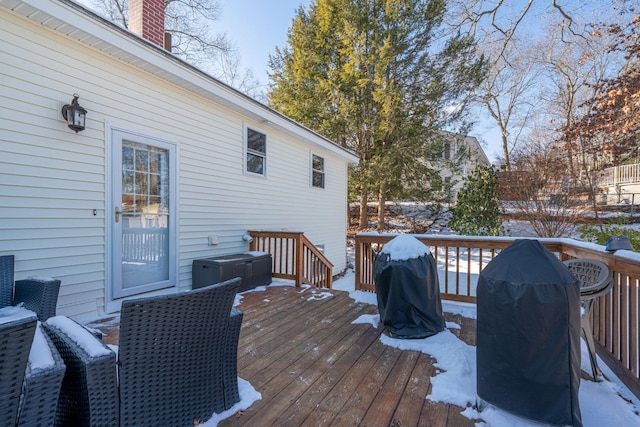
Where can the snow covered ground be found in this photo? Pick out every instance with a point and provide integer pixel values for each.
(606, 403)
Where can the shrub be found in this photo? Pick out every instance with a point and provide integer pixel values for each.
(477, 211)
(615, 227)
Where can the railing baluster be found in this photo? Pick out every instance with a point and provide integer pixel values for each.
(469, 255)
(615, 339)
(624, 320)
(446, 269)
(634, 330)
(457, 270)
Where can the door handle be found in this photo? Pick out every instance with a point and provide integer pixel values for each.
(117, 214)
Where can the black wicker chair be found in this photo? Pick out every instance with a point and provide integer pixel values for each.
(38, 294)
(176, 360)
(16, 336)
(89, 393)
(42, 381)
(230, 368)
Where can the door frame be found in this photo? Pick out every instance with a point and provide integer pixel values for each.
(113, 304)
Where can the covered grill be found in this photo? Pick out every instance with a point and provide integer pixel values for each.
(407, 289)
(528, 335)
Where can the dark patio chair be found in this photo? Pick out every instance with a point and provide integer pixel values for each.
(595, 280)
(17, 328)
(38, 294)
(42, 381)
(89, 393)
(176, 359)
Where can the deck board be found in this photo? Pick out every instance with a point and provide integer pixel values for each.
(413, 398)
(314, 366)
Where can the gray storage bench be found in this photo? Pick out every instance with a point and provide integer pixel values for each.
(253, 267)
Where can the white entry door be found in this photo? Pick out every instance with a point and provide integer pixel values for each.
(143, 234)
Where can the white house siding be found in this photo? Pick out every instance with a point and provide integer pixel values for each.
(52, 179)
(475, 156)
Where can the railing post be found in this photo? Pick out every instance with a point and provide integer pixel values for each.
(299, 264)
(358, 262)
(253, 245)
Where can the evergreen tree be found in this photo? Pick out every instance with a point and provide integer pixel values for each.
(477, 211)
(381, 78)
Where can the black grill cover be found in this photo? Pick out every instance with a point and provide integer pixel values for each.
(408, 294)
(528, 335)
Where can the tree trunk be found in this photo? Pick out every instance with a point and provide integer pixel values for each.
(505, 150)
(364, 214)
(381, 205)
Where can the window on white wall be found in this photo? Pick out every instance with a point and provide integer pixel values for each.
(447, 150)
(317, 171)
(256, 147)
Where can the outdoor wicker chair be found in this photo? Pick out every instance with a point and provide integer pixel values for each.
(230, 368)
(171, 356)
(595, 280)
(89, 393)
(38, 294)
(17, 328)
(176, 362)
(42, 381)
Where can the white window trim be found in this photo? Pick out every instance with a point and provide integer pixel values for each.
(312, 170)
(245, 149)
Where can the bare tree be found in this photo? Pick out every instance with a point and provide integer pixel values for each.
(227, 68)
(575, 65)
(503, 19)
(193, 38)
(546, 197)
(561, 46)
(508, 91)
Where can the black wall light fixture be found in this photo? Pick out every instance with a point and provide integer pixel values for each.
(74, 114)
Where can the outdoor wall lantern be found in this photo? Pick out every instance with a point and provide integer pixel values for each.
(615, 243)
(74, 114)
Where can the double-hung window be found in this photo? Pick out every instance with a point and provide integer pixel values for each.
(256, 152)
(317, 171)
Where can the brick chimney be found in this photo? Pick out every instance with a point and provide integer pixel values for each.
(146, 18)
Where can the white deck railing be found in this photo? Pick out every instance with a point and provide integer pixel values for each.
(626, 174)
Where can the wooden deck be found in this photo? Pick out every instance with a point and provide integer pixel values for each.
(313, 366)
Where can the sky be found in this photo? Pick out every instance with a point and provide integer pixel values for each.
(256, 27)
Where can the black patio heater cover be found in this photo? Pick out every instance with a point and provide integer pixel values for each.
(528, 335)
(407, 289)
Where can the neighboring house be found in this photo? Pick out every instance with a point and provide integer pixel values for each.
(465, 154)
(172, 161)
(619, 185)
